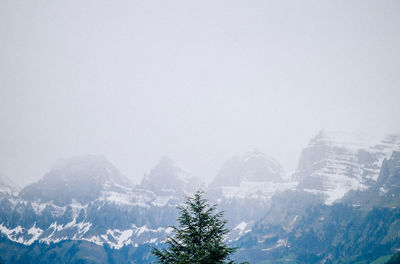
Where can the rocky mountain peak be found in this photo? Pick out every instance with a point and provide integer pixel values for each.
(334, 162)
(79, 178)
(261, 167)
(166, 176)
(390, 173)
(253, 166)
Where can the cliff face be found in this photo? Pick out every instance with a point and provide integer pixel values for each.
(87, 199)
(335, 163)
(85, 205)
(299, 227)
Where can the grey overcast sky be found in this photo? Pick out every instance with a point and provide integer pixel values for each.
(199, 81)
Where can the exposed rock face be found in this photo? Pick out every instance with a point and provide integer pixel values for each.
(300, 227)
(389, 176)
(87, 201)
(386, 191)
(335, 163)
(244, 187)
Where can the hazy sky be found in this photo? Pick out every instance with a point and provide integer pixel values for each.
(197, 80)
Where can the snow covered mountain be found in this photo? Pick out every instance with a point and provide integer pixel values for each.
(389, 176)
(255, 175)
(385, 192)
(334, 163)
(86, 198)
(243, 189)
(80, 179)
(299, 227)
(169, 181)
(253, 166)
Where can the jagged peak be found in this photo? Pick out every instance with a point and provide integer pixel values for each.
(390, 171)
(253, 166)
(95, 167)
(167, 175)
(80, 178)
(337, 162)
(354, 141)
(256, 158)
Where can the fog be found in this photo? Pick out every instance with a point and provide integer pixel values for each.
(199, 81)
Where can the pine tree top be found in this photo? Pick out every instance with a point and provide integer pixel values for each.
(199, 236)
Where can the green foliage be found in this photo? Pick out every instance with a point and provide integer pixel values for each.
(199, 238)
(395, 259)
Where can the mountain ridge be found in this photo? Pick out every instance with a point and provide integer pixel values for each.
(259, 200)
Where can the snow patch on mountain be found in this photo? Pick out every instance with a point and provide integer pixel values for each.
(242, 227)
(253, 176)
(73, 230)
(254, 166)
(238, 231)
(21, 235)
(117, 239)
(334, 163)
(256, 190)
(80, 178)
(35, 232)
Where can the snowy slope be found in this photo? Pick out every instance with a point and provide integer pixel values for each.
(334, 163)
(86, 198)
(81, 178)
(243, 189)
(73, 230)
(255, 175)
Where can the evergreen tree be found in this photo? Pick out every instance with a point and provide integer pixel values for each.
(199, 238)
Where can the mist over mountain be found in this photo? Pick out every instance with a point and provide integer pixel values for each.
(86, 205)
(82, 179)
(300, 227)
(254, 166)
(335, 162)
(111, 113)
(7, 186)
(167, 177)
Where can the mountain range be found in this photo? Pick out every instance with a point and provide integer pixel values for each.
(341, 205)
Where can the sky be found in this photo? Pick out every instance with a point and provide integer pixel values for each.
(199, 81)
